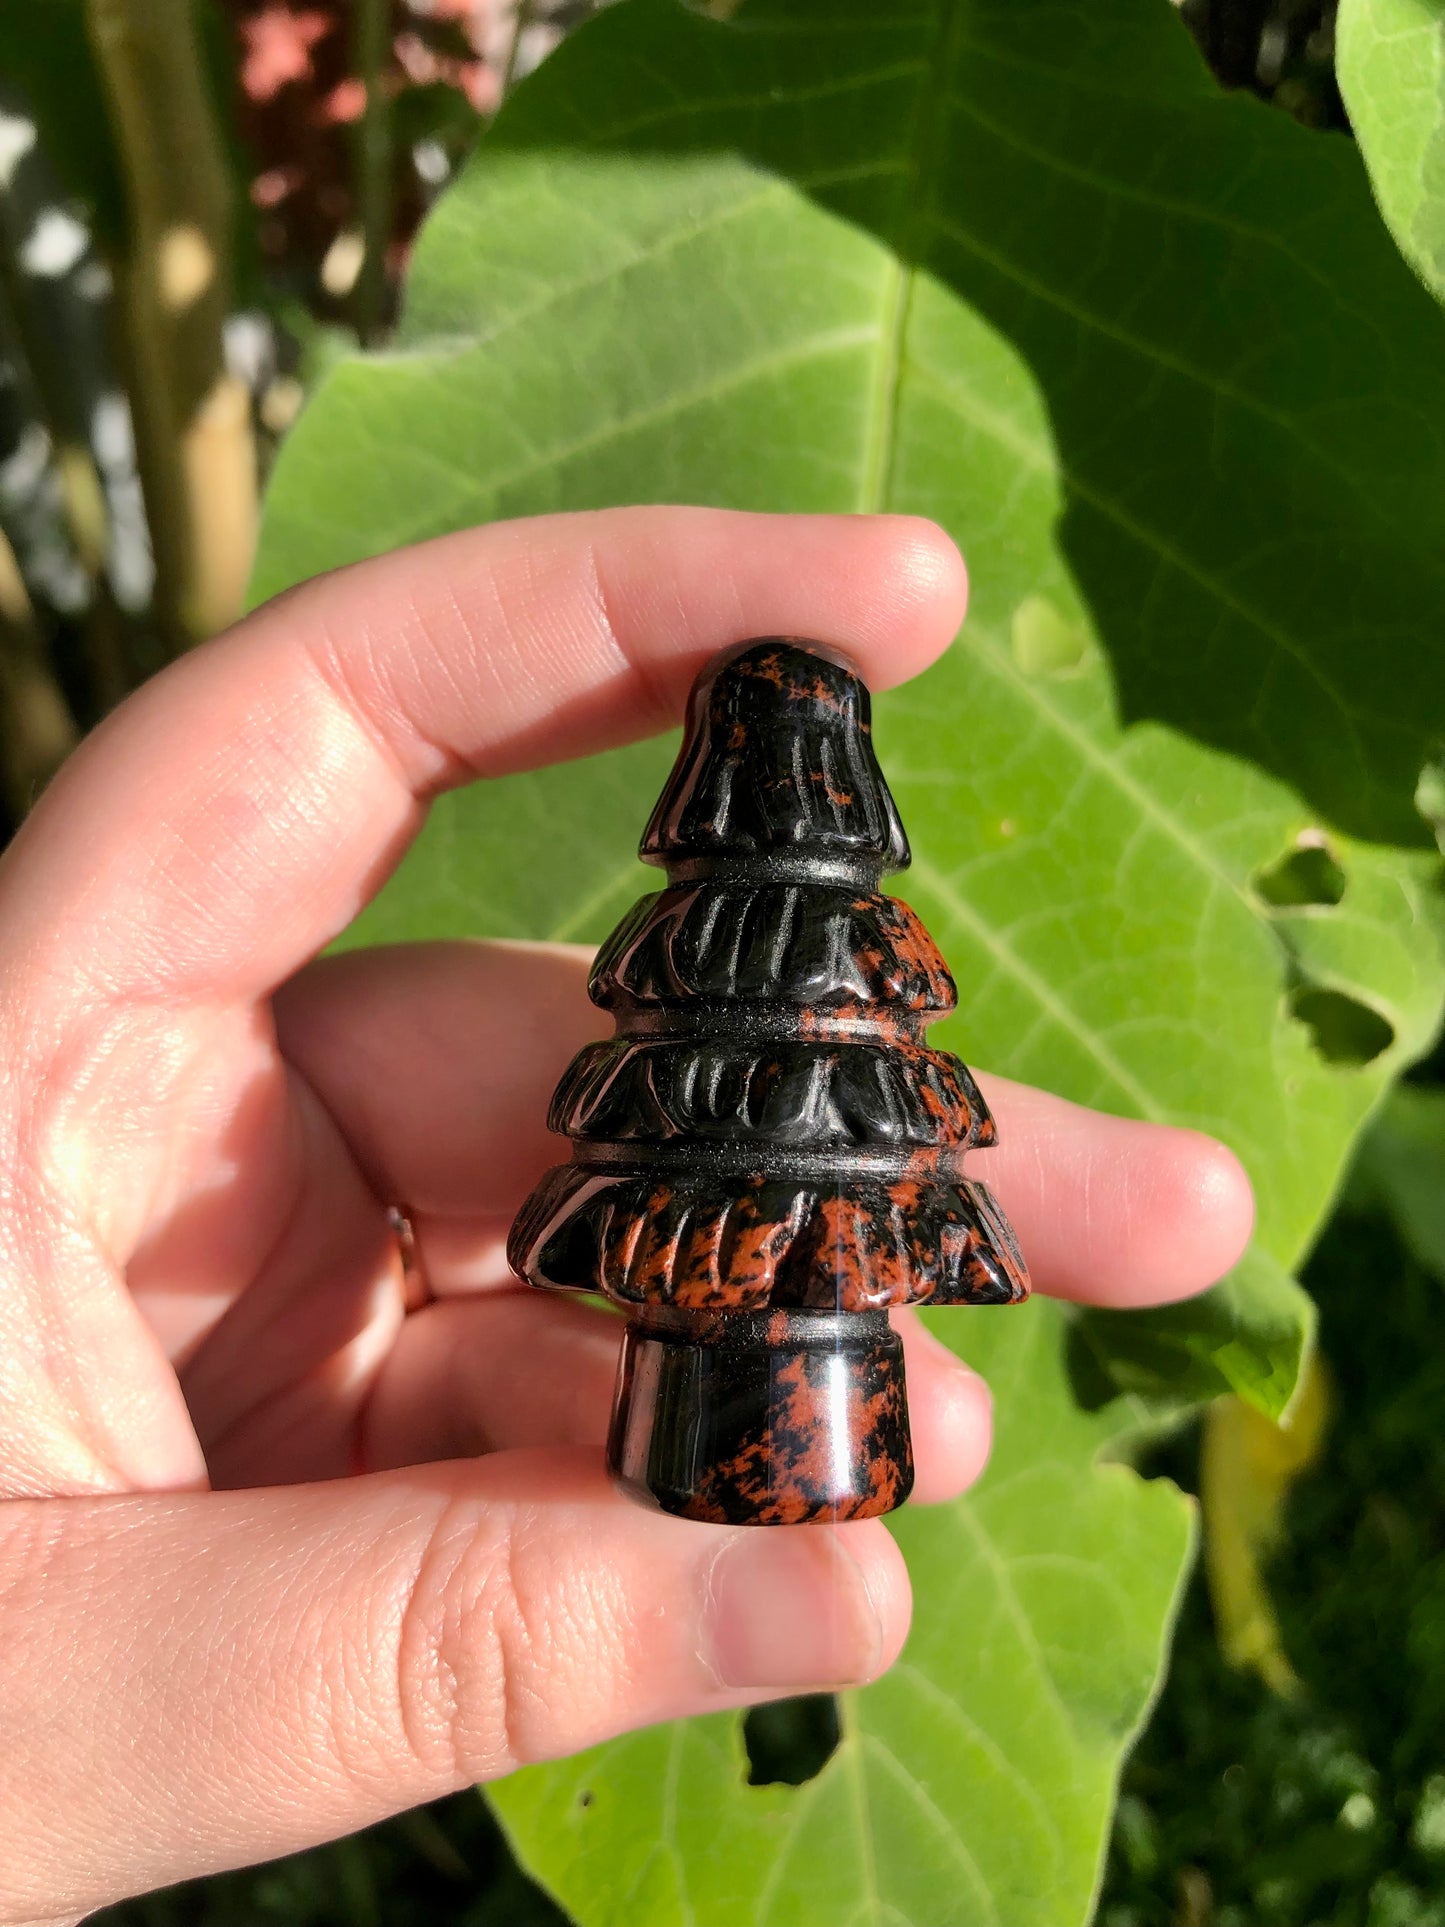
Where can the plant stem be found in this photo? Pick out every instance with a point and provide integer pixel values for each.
(194, 437)
(525, 11)
(371, 44)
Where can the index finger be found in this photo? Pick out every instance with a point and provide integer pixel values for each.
(237, 812)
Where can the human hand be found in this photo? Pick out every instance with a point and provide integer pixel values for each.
(255, 1590)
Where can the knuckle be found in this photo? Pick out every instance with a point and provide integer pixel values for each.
(506, 1645)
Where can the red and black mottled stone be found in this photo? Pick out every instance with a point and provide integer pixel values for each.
(781, 1418)
(766, 1157)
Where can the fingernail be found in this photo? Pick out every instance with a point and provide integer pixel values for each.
(790, 1608)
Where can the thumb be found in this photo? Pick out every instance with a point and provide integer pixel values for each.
(195, 1681)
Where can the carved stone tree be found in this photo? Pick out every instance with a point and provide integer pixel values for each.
(767, 1154)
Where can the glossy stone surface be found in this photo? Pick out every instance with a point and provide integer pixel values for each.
(766, 1155)
(782, 1419)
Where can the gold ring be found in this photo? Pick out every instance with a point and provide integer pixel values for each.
(416, 1292)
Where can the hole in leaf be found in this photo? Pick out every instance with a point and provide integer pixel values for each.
(1343, 1030)
(1308, 874)
(790, 1741)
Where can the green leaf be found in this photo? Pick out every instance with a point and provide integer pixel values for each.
(1147, 352)
(1250, 1336)
(972, 1784)
(897, 262)
(1390, 58)
(487, 864)
(1400, 1169)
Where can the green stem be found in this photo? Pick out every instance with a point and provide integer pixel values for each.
(525, 11)
(193, 420)
(371, 45)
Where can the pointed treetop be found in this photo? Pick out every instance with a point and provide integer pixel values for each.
(777, 763)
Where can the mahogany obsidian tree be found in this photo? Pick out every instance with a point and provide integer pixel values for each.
(767, 1154)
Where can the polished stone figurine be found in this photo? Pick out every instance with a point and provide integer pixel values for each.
(766, 1156)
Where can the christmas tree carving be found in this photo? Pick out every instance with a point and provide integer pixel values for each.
(766, 1156)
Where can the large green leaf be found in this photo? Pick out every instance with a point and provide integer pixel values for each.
(1184, 426)
(1391, 64)
(1148, 353)
(970, 1785)
(1249, 1336)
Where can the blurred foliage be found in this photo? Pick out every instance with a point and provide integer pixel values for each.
(1243, 1809)
(1401, 1171)
(447, 1863)
(97, 406)
(1283, 50)
(1249, 1464)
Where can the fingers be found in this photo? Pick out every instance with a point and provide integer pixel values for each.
(438, 1062)
(232, 816)
(519, 1369)
(950, 1411)
(473, 1375)
(1111, 1211)
(235, 813)
(361, 1647)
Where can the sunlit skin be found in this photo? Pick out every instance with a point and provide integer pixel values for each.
(278, 1559)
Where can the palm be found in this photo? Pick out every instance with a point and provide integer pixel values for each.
(268, 1267)
(297, 1290)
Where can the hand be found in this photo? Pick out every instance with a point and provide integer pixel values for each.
(257, 1588)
